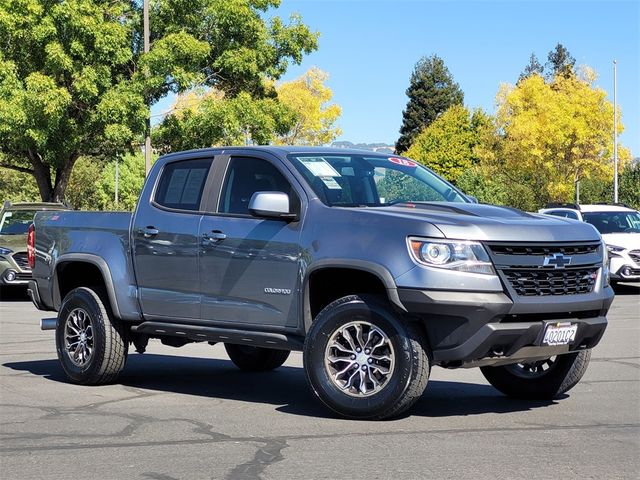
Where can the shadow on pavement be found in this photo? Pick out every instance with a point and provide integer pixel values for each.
(285, 387)
(627, 288)
(14, 294)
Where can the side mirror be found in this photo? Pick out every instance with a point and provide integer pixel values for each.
(472, 199)
(271, 205)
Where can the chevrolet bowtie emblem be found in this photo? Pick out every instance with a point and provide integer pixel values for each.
(558, 260)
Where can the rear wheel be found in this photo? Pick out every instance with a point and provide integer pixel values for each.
(540, 380)
(256, 359)
(362, 361)
(91, 343)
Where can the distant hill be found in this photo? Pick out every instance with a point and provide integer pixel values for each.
(375, 147)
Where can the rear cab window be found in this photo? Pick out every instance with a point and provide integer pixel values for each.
(182, 183)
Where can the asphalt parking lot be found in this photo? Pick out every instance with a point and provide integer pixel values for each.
(188, 413)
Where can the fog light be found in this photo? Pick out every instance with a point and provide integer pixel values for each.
(626, 271)
(10, 276)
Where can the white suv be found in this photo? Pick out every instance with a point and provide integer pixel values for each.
(619, 226)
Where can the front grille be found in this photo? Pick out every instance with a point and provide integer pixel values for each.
(635, 256)
(542, 282)
(22, 260)
(545, 249)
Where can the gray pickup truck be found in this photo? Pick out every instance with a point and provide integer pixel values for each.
(371, 265)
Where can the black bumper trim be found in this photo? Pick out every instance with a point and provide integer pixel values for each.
(465, 327)
(34, 294)
(509, 338)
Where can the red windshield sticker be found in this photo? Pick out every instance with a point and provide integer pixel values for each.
(403, 161)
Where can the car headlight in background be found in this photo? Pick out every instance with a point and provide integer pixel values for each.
(5, 251)
(605, 265)
(460, 255)
(615, 251)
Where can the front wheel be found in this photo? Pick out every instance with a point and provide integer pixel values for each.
(364, 362)
(540, 380)
(91, 342)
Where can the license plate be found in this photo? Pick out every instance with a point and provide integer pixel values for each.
(560, 333)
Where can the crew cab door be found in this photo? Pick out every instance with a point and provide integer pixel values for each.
(250, 267)
(166, 242)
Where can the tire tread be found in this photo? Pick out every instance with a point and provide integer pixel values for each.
(420, 370)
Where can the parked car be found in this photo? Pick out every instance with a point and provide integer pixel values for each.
(15, 220)
(372, 265)
(619, 226)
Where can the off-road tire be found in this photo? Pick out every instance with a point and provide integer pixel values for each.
(406, 382)
(256, 359)
(110, 343)
(564, 374)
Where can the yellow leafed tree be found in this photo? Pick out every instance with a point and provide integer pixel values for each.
(309, 98)
(556, 133)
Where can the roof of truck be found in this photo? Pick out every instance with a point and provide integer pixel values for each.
(284, 150)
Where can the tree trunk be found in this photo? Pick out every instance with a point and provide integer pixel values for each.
(50, 191)
(63, 175)
(42, 174)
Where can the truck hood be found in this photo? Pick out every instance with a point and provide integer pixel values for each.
(629, 241)
(17, 243)
(472, 221)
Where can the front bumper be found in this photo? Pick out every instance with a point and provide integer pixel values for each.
(623, 268)
(11, 273)
(468, 329)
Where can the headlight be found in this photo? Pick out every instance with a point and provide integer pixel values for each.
(457, 255)
(615, 251)
(5, 251)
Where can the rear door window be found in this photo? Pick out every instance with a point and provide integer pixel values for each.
(182, 183)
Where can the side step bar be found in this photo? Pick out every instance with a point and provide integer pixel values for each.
(225, 335)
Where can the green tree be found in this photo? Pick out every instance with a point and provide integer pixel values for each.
(560, 62)
(596, 190)
(131, 175)
(82, 192)
(533, 67)
(240, 120)
(431, 92)
(74, 81)
(449, 145)
(17, 186)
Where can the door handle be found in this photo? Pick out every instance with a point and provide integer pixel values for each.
(214, 236)
(149, 232)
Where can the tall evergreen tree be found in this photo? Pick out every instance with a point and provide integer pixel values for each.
(431, 92)
(560, 62)
(532, 67)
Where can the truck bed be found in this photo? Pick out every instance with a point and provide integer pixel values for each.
(92, 237)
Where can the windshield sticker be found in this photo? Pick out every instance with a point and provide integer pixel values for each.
(319, 167)
(403, 161)
(331, 183)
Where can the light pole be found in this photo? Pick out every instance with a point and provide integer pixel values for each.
(615, 131)
(147, 138)
(117, 181)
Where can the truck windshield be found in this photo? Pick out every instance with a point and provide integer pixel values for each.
(16, 222)
(614, 222)
(372, 181)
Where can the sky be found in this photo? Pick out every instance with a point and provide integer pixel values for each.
(369, 49)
